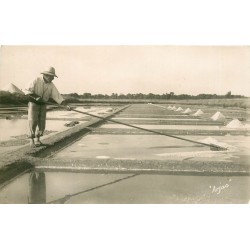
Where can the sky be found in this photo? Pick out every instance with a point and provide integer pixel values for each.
(131, 69)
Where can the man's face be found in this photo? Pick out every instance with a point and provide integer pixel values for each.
(48, 78)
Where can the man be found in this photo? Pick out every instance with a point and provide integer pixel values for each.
(37, 188)
(39, 92)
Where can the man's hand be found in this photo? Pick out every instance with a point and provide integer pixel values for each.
(39, 99)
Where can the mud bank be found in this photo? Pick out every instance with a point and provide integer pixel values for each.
(219, 132)
(144, 167)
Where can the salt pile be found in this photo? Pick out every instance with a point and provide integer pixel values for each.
(179, 109)
(198, 113)
(180, 156)
(174, 108)
(187, 111)
(235, 124)
(218, 116)
(102, 157)
(169, 107)
(13, 89)
(211, 140)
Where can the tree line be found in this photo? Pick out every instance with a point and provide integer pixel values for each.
(17, 99)
(151, 96)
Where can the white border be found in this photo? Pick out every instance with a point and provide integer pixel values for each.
(127, 22)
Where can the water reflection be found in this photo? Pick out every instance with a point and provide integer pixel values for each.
(37, 188)
(67, 197)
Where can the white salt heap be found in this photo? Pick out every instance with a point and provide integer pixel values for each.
(235, 124)
(179, 109)
(174, 108)
(198, 113)
(211, 140)
(102, 157)
(221, 155)
(187, 111)
(218, 116)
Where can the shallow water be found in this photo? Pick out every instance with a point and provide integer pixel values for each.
(15, 127)
(10, 128)
(153, 147)
(81, 188)
(72, 114)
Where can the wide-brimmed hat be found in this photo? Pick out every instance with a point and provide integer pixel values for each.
(50, 71)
